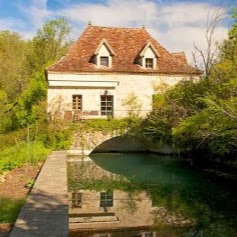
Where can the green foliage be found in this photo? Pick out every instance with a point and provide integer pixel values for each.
(201, 115)
(132, 105)
(9, 209)
(14, 73)
(129, 126)
(16, 155)
(27, 111)
(56, 135)
(30, 183)
(103, 184)
(209, 208)
(50, 43)
(22, 80)
(174, 105)
(23, 101)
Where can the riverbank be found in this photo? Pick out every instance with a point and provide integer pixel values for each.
(14, 188)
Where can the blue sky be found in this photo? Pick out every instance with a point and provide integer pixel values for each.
(176, 24)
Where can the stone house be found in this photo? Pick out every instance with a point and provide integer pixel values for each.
(112, 72)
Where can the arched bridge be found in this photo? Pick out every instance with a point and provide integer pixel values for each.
(84, 143)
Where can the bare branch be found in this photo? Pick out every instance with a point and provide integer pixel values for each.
(210, 55)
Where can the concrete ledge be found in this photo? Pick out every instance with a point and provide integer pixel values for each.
(45, 212)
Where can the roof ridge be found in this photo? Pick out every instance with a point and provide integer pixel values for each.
(178, 52)
(111, 27)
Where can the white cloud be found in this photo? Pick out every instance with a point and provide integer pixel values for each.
(176, 26)
(8, 24)
(114, 13)
(36, 12)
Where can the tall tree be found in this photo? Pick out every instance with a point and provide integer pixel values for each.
(208, 57)
(14, 70)
(51, 42)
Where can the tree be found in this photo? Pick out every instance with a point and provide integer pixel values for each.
(51, 42)
(210, 55)
(14, 70)
(202, 116)
(214, 127)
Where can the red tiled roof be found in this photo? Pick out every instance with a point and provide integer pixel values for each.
(181, 57)
(126, 44)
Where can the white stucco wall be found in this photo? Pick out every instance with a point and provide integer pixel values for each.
(91, 87)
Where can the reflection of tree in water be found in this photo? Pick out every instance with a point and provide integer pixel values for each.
(210, 211)
(132, 206)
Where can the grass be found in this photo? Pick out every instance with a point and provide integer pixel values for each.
(15, 151)
(14, 156)
(9, 209)
(10, 158)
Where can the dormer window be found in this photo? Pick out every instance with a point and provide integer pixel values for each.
(149, 62)
(104, 61)
(103, 54)
(147, 58)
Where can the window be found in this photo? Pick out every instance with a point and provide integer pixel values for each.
(106, 199)
(104, 61)
(149, 234)
(76, 199)
(77, 102)
(102, 235)
(149, 62)
(106, 105)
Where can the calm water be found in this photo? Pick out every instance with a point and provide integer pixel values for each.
(146, 195)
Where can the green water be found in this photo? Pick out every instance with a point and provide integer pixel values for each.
(209, 207)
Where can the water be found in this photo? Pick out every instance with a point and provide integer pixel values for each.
(147, 195)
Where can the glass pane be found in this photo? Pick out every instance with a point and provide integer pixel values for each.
(106, 199)
(77, 102)
(106, 105)
(149, 63)
(104, 61)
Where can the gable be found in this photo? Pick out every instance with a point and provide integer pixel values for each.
(104, 48)
(103, 51)
(149, 53)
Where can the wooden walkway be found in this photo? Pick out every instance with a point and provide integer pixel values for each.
(45, 212)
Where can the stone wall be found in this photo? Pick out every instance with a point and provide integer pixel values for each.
(97, 142)
(91, 87)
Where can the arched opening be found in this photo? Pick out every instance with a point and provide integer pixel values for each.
(121, 144)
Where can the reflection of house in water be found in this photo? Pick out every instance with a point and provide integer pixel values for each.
(108, 213)
(111, 211)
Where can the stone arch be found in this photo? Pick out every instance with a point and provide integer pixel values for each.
(121, 144)
(97, 142)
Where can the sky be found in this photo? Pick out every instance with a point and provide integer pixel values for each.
(177, 25)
